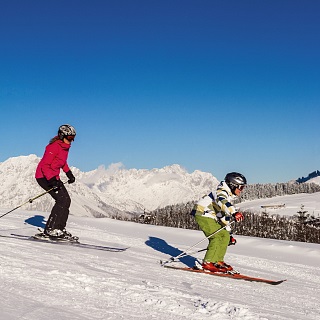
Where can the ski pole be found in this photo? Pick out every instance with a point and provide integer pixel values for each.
(197, 251)
(29, 201)
(186, 252)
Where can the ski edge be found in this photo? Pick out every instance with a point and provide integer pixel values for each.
(237, 276)
(66, 243)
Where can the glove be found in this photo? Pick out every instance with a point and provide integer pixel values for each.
(232, 241)
(238, 216)
(54, 184)
(71, 177)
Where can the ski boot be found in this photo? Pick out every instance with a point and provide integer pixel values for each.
(69, 236)
(214, 267)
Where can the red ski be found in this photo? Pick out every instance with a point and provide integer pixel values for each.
(237, 276)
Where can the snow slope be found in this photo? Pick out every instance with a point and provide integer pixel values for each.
(315, 180)
(292, 204)
(42, 281)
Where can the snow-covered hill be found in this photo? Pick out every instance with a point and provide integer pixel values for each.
(287, 205)
(104, 192)
(41, 281)
(315, 180)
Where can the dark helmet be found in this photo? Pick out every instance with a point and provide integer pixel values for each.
(235, 180)
(65, 131)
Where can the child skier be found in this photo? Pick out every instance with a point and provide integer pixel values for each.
(48, 177)
(214, 211)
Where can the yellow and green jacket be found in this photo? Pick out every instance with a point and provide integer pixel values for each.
(216, 205)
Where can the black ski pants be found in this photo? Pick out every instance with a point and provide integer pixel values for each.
(60, 211)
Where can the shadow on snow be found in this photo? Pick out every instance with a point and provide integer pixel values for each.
(162, 246)
(37, 221)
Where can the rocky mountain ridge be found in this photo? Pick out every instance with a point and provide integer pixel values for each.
(104, 192)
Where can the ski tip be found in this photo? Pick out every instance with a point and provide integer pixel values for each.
(277, 282)
(163, 263)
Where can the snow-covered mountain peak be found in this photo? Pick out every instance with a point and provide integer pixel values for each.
(21, 162)
(106, 191)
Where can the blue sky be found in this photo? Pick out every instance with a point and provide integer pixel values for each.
(215, 86)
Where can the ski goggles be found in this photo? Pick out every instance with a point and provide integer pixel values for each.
(70, 138)
(241, 187)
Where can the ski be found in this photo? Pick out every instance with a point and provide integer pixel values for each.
(64, 242)
(237, 276)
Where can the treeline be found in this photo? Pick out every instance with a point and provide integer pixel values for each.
(304, 228)
(300, 227)
(270, 190)
(311, 175)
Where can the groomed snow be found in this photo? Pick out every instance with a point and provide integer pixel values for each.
(46, 281)
(289, 205)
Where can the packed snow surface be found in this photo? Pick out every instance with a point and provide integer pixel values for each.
(287, 205)
(49, 281)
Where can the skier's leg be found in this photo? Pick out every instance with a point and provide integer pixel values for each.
(209, 226)
(60, 210)
(62, 205)
(222, 240)
(43, 183)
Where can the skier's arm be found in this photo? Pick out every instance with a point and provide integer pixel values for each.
(226, 207)
(66, 168)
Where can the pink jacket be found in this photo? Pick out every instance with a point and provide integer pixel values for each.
(54, 158)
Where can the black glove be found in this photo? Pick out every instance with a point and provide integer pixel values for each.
(54, 184)
(70, 176)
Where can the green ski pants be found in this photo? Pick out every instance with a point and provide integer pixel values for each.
(218, 243)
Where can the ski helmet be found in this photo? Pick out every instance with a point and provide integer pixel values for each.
(66, 130)
(235, 180)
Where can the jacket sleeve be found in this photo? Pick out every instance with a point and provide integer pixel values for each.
(65, 168)
(223, 202)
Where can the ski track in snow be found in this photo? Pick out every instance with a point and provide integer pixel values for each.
(40, 280)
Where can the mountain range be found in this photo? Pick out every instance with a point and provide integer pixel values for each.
(107, 192)
(104, 192)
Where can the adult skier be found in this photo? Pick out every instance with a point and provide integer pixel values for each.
(214, 211)
(48, 177)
